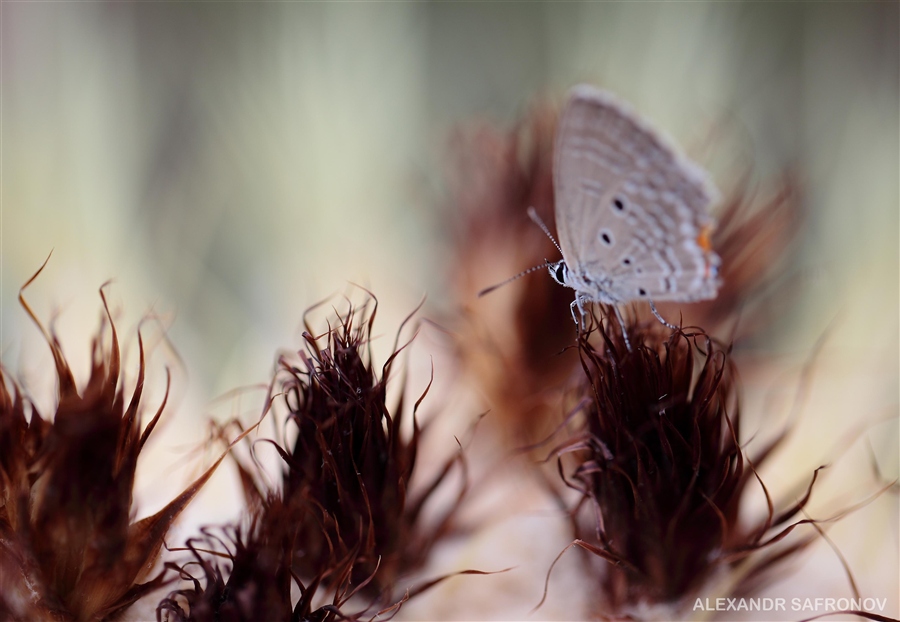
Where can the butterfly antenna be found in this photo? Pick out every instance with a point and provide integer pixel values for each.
(488, 290)
(532, 213)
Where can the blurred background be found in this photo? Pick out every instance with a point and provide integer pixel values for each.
(230, 164)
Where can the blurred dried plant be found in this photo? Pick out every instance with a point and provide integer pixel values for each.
(512, 338)
(756, 238)
(70, 548)
(516, 337)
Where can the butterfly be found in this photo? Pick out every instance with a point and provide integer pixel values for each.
(631, 211)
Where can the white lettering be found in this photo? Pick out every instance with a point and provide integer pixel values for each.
(797, 604)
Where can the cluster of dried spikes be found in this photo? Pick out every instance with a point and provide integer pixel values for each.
(342, 520)
(69, 547)
(660, 469)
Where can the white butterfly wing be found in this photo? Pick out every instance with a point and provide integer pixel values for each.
(631, 213)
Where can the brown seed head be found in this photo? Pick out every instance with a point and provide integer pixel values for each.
(659, 463)
(69, 547)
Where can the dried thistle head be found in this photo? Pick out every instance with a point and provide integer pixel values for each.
(659, 462)
(258, 583)
(69, 547)
(341, 520)
(352, 460)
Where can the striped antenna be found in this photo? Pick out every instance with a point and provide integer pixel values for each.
(532, 213)
(488, 290)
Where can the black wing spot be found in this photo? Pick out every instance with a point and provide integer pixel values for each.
(606, 237)
(626, 261)
(618, 204)
(642, 291)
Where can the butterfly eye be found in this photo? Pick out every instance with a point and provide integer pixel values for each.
(561, 273)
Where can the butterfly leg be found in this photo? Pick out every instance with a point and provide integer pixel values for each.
(660, 318)
(578, 303)
(575, 304)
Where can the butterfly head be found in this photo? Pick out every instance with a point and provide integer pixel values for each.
(559, 271)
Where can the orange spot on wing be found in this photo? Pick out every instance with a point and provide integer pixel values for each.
(704, 242)
(703, 239)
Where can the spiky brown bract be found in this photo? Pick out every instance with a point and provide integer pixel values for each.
(351, 462)
(69, 549)
(342, 521)
(259, 579)
(659, 461)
